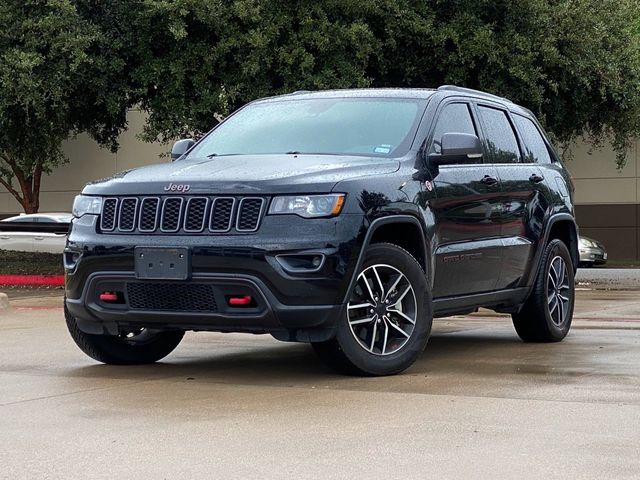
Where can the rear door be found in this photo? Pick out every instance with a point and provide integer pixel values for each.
(522, 203)
(467, 213)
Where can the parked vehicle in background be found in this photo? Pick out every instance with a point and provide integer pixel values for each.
(592, 252)
(346, 219)
(37, 232)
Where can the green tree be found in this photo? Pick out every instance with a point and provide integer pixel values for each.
(575, 63)
(55, 80)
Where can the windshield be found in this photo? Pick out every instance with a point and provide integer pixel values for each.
(332, 126)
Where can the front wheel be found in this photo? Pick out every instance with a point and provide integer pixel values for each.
(387, 322)
(135, 347)
(546, 316)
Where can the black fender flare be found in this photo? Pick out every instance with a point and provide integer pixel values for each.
(427, 265)
(544, 240)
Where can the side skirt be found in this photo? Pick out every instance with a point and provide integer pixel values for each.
(505, 301)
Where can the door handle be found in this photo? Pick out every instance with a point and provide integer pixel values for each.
(38, 238)
(535, 178)
(4, 238)
(489, 180)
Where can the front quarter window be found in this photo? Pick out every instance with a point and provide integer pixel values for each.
(325, 126)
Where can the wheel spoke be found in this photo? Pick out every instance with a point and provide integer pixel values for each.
(393, 325)
(386, 336)
(359, 305)
(563, 272)
(404, 294)
(560, 310)
(403, 315)
(366, 282)
(394, 285)
(373, 336)
(382, 293)
(553, 304)
(363, 320)
(551, 277)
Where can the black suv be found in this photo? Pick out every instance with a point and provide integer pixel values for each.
(347, 219)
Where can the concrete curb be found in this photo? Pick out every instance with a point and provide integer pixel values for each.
(4, 301)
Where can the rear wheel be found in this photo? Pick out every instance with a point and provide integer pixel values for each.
(134, 347)
(547, 314)
(387, 321)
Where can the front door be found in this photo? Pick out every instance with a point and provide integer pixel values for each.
(467, 212)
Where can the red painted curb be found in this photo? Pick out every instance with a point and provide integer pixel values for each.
(32, 280)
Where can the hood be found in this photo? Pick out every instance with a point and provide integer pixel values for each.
(243, 175)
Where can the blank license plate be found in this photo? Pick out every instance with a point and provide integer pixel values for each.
(162, 263)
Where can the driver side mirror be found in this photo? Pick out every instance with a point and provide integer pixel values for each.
(457, 148)
(180, 147)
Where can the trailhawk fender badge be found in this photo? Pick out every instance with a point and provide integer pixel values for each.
(181, 188)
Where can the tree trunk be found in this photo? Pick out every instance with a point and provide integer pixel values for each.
(29, 186)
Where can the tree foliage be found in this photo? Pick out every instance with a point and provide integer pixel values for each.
(575, 63)
(51, 86)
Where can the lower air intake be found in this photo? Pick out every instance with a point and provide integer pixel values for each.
(173, 297)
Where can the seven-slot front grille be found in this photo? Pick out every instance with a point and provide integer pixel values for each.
(182, 215)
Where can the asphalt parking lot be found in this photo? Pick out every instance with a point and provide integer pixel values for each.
(478, 404)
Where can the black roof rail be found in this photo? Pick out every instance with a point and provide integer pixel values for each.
(455, 88)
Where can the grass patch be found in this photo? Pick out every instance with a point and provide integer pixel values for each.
(621, 264)
(30, 263)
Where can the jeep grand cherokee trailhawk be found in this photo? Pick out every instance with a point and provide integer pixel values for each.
(347, 219)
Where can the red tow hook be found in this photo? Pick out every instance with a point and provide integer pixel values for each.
(240, 301)
(108, 297)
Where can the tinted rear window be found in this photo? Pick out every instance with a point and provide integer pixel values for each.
(534, 145)
(500, 140)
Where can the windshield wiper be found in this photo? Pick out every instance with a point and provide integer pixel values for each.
(211, 155)
(294, 152)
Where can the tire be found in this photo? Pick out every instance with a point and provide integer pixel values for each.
(141, 347)
(382, 341)
(546, 316)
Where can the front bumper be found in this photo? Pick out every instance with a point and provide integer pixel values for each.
(294, 306)
(595, 256)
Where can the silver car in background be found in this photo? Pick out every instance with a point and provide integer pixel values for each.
(37, 232)
(592, 252)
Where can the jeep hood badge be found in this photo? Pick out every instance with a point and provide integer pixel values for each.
(174, 187)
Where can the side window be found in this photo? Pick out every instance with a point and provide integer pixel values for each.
(534, 145)
(500, 140)
(454, 118)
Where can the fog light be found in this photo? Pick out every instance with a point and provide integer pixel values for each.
(301, 263)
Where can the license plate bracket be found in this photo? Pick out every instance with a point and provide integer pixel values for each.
(162, 263)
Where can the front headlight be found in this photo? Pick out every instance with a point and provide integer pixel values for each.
(586, 243)
(308, 206)
(84, 204)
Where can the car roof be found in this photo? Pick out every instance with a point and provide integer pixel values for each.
(415, 93)
(405, 93)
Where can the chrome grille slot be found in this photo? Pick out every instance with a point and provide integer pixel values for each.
(249, 213)
(127, 214)
(108, 218)
(149, 214)
(171, 214)
(221, 214)
(181, 215)
(196, 214)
